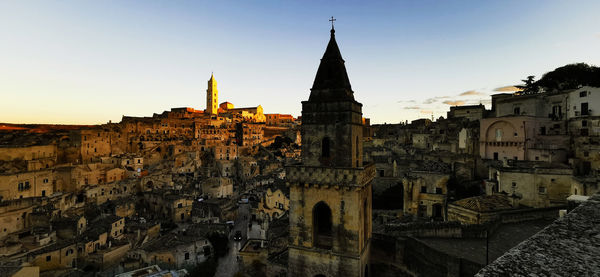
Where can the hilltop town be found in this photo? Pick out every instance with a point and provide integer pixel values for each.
(229, 190)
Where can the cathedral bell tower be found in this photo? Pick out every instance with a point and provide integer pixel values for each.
(330, 191)
(212, 95)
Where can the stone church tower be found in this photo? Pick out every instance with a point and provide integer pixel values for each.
(212, 96)
(330, 191)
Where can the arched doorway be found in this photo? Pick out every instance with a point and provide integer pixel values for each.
(322, 226)
(437, 212)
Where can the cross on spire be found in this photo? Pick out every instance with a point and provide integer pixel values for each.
(332, 20)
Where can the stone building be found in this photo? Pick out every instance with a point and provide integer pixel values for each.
(27, 184)
(478, 209)
(59, 255)
(225, 152)
(112, 224)
(273, 204)
(280, 120)
(170, 206)
(532, 184)
(217, 187)
(249, 114)
(523, 138)
(212, 97)
(330, 191)
(176, 250)
(249, 134)
(36, 156)
(470, 112)
(14, 216)
(425, 194)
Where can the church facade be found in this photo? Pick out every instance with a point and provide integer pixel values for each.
(330, 191)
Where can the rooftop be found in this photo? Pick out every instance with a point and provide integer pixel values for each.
(486, 203)
(567, 247)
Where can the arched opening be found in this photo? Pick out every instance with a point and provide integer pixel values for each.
(322, 226)
(437, 212)
(325, 147)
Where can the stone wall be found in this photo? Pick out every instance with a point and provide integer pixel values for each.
(426, 261)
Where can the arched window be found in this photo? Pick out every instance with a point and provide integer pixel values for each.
(322, 226)
(325, 147)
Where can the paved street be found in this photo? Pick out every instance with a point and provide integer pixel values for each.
(229, 264)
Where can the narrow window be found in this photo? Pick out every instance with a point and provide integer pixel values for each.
(325, 147)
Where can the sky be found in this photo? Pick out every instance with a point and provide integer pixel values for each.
(88, 62)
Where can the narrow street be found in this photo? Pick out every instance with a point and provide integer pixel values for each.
(229, 264)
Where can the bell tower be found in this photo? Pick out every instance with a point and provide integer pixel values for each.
(330, 191)
(212, 96)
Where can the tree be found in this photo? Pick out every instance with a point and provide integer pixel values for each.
(570, 76)
(529, 86)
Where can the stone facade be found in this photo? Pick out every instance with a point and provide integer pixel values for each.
(425, 194)
(330, 191)
(532, 185)
(212, 97)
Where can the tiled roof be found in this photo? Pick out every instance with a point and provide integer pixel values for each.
(568, 247)
(486, 203)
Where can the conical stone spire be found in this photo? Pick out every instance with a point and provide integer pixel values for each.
(331, 82)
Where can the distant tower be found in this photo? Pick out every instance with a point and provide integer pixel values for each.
(212, 95)
(330, 191)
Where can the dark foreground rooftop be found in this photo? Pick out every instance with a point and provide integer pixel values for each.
(568, 247)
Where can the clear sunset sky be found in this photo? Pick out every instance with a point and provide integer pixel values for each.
(88, 62)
